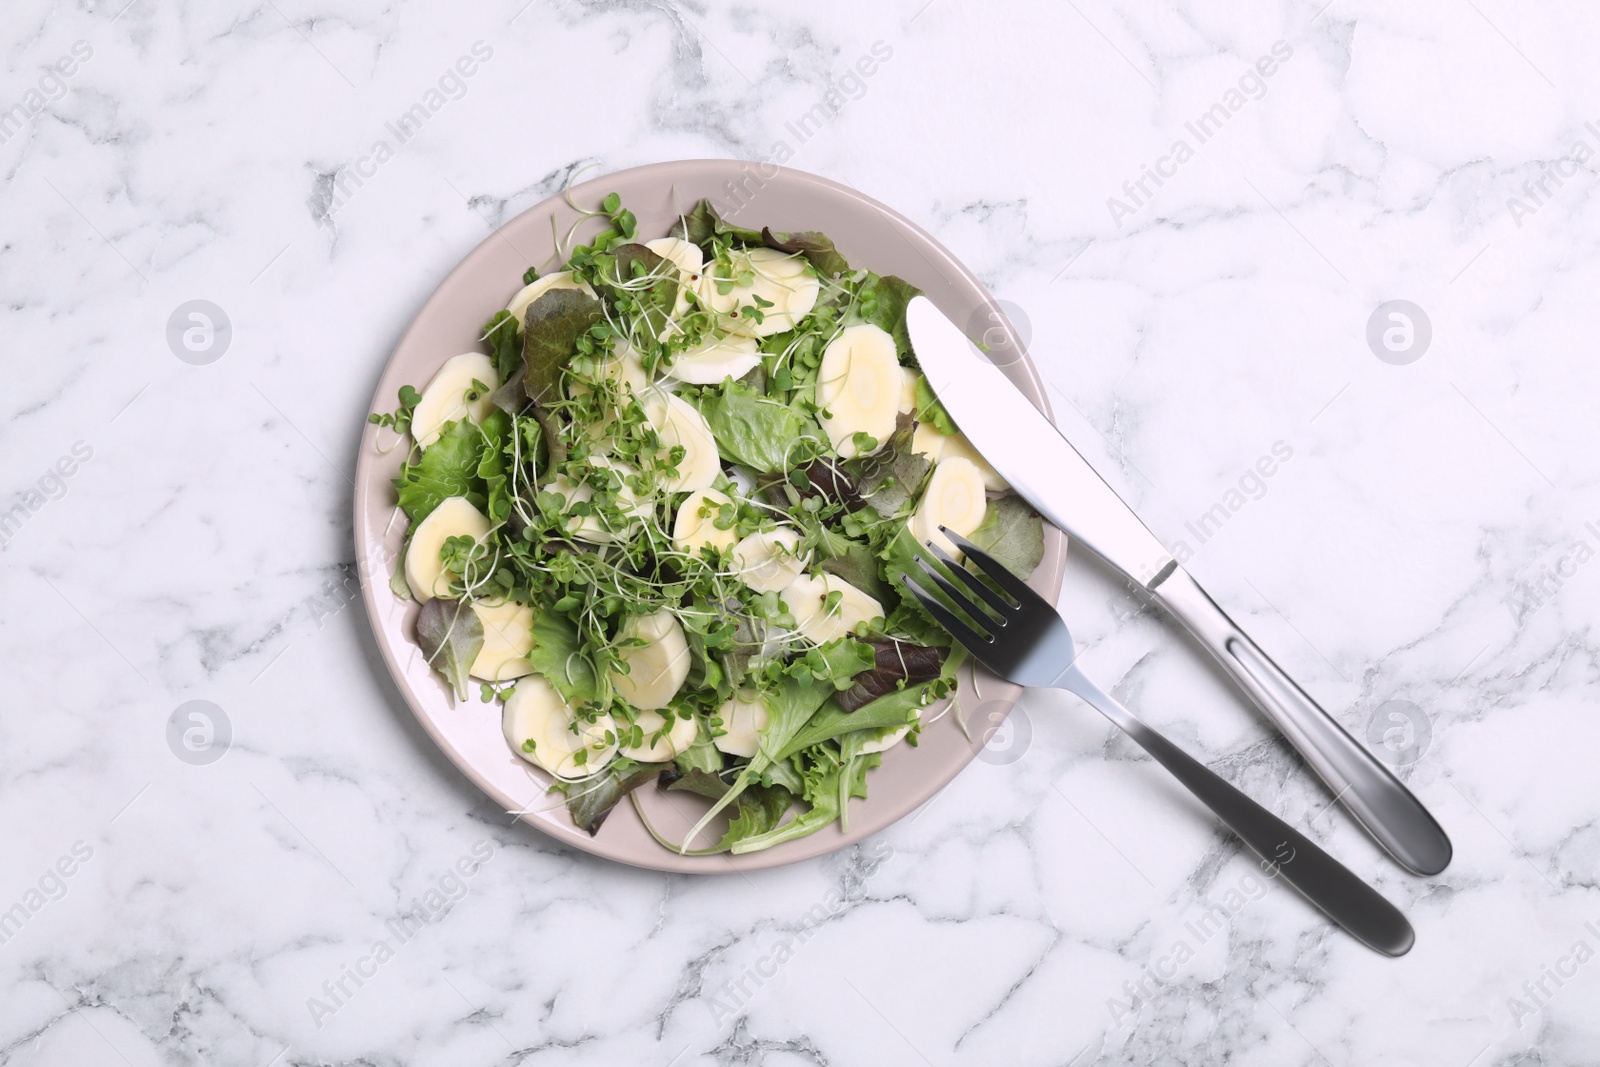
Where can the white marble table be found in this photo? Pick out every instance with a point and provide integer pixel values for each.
(1425, 536)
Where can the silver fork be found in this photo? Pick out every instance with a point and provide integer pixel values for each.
(1021, 637)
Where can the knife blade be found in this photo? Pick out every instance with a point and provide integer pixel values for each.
(1047, 471)
(1027, 449)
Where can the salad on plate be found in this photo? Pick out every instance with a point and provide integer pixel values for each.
(661, 515)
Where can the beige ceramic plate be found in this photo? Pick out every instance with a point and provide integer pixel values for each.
(869, 235)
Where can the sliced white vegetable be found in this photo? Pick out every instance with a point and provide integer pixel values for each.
(529, 293)
(685, 255)
(692, 531)
(908, 391)
(688, 259)
(626, 369)
(928, 441)
(954, 498)
(958, 445)
(785, 281)
(454, 517)
(445, 398)
(535, 712)
(858, 386)
(507, 640)
(806, 598)
(710, 362)
(884, 742)
(658, 750)
(656, 669)
(743, 719)
(593, 528)
(679, 423)
(768, 560)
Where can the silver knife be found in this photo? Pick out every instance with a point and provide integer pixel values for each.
(1042, 466)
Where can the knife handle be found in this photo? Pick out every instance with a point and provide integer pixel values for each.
(1378, 800)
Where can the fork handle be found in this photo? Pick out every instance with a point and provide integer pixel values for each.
(1285, 852)
(1372, 794)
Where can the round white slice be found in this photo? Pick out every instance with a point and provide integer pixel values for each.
(445, 398)
(507, 640)
(626, 369)
(710, 362)
(656, 669)
(688, 259)
(954, 498)
(529, 293)
(653, 749)
(535, 712)
(785, 281)
(685, 255)
(679, 423)
(743, 718)
(454, 517)
(692, 531)
(768, 560)
(958, 445)
(593, 528)
(926, 440)
(858, 386)
(806, 598)
(908, 391)
(886, 741)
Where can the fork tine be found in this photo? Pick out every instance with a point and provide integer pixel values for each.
(993, 568)
(946, 618)
(962, 601)
(971, 581)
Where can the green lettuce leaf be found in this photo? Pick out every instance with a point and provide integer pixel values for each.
(889, 479)
(653, 305)
(592, 800)
(559, 657)
(783, 773)
(501, 334)
(758, 812)
(702, 223)
(857, 565)
(511, 397)
(882, 301)
(817, 248)
(1013, 533)
(827, 787)
(705, 669)
(701, 782)
(766, 435)
(911, 620)
(496, 429)
(840, 660)
(550, 335)
(894, 709)
(790, 703)
(447, 468)
(450, 635)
